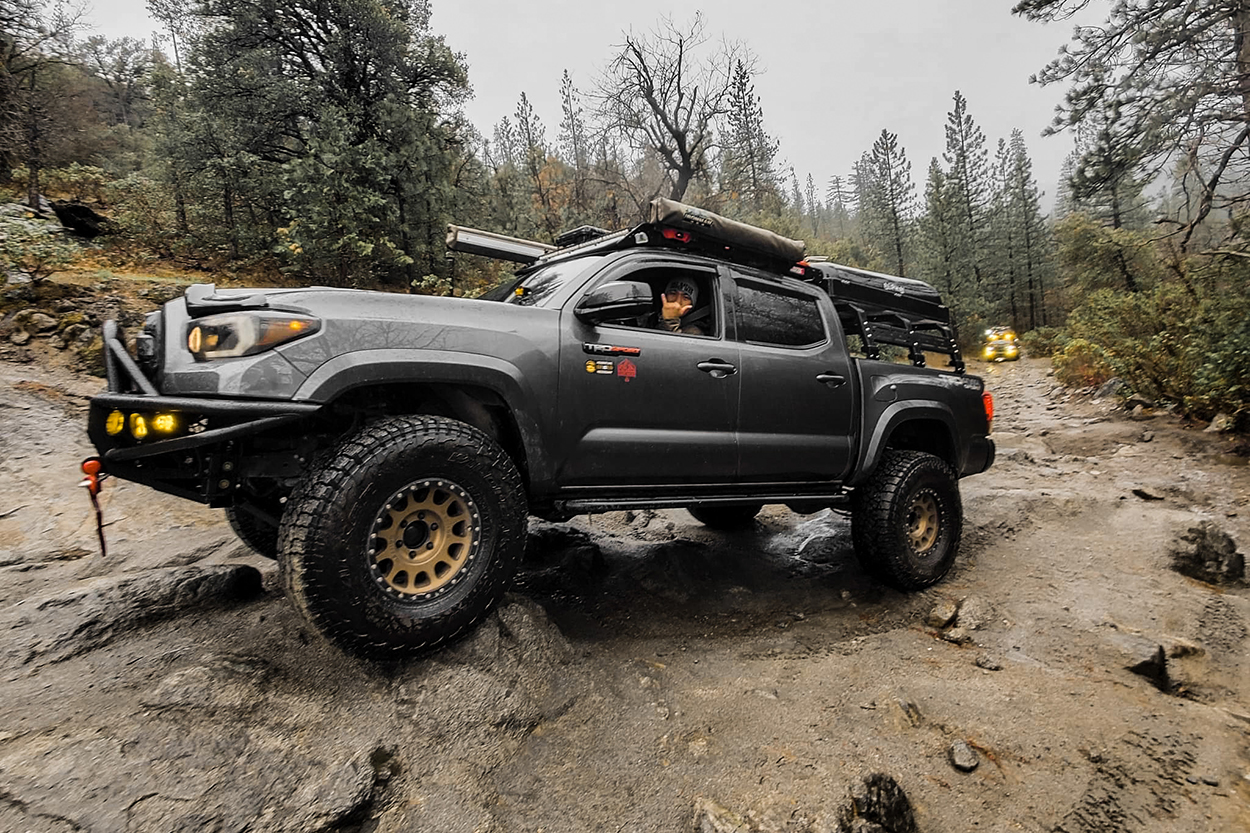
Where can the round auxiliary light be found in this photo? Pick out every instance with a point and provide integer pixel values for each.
(115, 423)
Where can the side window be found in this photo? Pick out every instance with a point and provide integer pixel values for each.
(692, 290)
(774, 315)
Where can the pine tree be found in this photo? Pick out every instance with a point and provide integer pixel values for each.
(937, 233)
(748, 175)
(533, 155)
(323, 123)
(890, 201)
(1160, 79)
(575, 143)
(1033, 236)
(813, 207)
(1001, 273)
(837, 198)
(968, 176)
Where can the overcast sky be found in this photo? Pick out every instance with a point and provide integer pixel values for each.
(834, 72)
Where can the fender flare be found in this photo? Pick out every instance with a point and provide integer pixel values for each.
(896, 415)
(360, 368)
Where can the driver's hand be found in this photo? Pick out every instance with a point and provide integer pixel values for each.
(674, 305)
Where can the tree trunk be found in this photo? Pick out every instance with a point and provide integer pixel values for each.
(1240, 23)
(33, 162)
(227, 204)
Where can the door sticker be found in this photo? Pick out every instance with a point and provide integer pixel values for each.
(610, 349)
(627, 370)
(601, 367)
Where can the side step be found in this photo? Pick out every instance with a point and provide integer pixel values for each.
(586, 506)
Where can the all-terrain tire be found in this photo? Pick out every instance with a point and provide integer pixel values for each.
(254, 531)
(404, 536)
(725, 517)
(906, 521)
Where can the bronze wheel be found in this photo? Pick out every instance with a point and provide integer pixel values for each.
(906, 520)
(423, 538)
(404, 537)
(923, 522)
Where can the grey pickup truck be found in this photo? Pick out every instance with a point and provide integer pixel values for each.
(387, 449)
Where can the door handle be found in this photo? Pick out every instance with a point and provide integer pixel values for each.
(833, 380)
(717, 368)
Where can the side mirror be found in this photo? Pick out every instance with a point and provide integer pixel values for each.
(617, 299)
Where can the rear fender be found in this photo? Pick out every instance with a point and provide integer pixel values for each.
(925, 425)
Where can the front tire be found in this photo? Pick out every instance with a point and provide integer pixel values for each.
(405, 537)
(906, 521)
(725, 517)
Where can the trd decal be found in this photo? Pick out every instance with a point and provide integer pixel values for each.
(610, 350)
(627, 370)
(601, 367)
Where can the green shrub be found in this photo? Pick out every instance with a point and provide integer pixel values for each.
(1044, 341)
(35, 248)
(1081, 364)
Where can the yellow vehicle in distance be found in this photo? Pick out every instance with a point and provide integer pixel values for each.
(1001, 345)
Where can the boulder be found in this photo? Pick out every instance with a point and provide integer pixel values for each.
(963, 757)
(1207, 553)
(879, 800)
(65, 623)
(942, 614)
(1109, 387)
(80, 219)
(1221, 424)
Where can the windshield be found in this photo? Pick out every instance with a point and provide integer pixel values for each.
(534, 288)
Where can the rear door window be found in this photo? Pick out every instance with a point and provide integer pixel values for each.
(778, 315)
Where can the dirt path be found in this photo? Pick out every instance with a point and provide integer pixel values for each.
(647, 674)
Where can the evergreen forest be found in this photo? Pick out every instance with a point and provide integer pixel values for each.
(325, 141)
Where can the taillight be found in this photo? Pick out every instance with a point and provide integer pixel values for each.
(987, 400)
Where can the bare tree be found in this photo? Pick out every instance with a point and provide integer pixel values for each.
(663, 95)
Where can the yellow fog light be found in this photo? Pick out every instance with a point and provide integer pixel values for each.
(115, 423)
(195, 340)
(165, 423)
(138, 426)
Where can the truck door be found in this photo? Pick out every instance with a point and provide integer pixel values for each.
(797, 401)
(641, 405)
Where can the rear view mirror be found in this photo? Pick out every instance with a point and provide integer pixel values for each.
(615, 300)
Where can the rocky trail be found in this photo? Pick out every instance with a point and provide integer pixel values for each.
(648, 674)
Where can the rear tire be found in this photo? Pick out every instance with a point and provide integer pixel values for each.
(906, 521)
(405, 537)
(725, 517)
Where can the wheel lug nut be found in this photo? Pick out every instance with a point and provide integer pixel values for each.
(433, 526)
(420, 516)
(430, 546)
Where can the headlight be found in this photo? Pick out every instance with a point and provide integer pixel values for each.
(245, 333)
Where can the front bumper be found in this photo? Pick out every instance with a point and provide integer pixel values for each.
(199, 452)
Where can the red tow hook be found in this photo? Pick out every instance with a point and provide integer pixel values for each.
(94, 477)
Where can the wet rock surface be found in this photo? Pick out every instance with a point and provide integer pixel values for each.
(647, 673)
